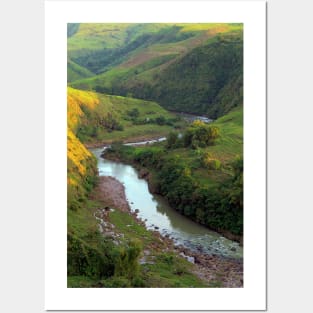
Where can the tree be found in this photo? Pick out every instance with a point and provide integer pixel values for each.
(172, 139)
(200, 134)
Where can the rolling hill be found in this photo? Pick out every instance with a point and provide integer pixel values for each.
(196, 68)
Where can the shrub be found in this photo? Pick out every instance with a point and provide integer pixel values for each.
(126, 260)
(200, 134)
(133, 113)
(211, 163)
(172, 140)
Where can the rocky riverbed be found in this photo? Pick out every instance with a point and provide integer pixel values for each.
(215, 270)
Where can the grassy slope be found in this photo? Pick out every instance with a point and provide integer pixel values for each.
(96, 36)
(168, 269)
(100, 46)
(227, 148)
(84, 242)
(87, 108)
(76, 72)
(81, 163)
(191, 67)
(211, 195)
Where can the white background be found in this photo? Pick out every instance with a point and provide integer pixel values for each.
(289, 155)
(252, 296)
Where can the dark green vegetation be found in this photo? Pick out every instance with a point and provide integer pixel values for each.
(183, 67)
(105, 118)
(94, 260)
(201, 173)
(122, 79)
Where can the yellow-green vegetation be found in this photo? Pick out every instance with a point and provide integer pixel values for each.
(81, 165)
(94, 260)
(104, 118)
(115, 73)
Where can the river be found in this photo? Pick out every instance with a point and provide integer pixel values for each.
(158, 215)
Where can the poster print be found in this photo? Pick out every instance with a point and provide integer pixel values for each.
(155, 162)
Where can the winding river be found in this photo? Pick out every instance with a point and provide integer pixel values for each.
(158, 215)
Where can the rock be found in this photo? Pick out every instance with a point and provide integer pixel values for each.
(136, 211)
(156, 227)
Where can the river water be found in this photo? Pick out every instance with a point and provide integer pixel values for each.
(158, 215)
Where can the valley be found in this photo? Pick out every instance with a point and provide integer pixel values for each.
(144, 215)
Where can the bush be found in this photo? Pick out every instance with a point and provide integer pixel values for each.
(200, 134)
(133, 113)
(172, 140)
(160, 120)
(126, 260)
(84, 259)
(214, 164)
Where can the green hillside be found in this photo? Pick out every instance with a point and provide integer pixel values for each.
(104, 118)
(201, 179)
(94, 260)
(196, 68)
(102, 46)
(76, 72)
(125, 81)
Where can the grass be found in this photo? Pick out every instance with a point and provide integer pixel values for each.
(227, 147)
(80, 282)
(85, 109)
(168, 269)
(171, 271)
(126, 224)
(162, 40)
(94, 36)
(76, 72)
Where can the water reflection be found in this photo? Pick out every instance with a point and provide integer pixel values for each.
(157, 214)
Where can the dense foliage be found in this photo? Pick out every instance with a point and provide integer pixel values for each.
(89, 254)
(200, 134)
(96, 117)
(192, 68)
(207, 80)
(220, 208)
(202, 181)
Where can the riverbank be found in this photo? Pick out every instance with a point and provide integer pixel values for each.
(135, 139)
(116, 220)
(147, 175)
(111, 191)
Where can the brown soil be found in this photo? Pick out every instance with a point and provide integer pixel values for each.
(111, 192)
(211, 269)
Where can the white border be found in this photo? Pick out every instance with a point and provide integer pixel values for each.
(253, 295)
